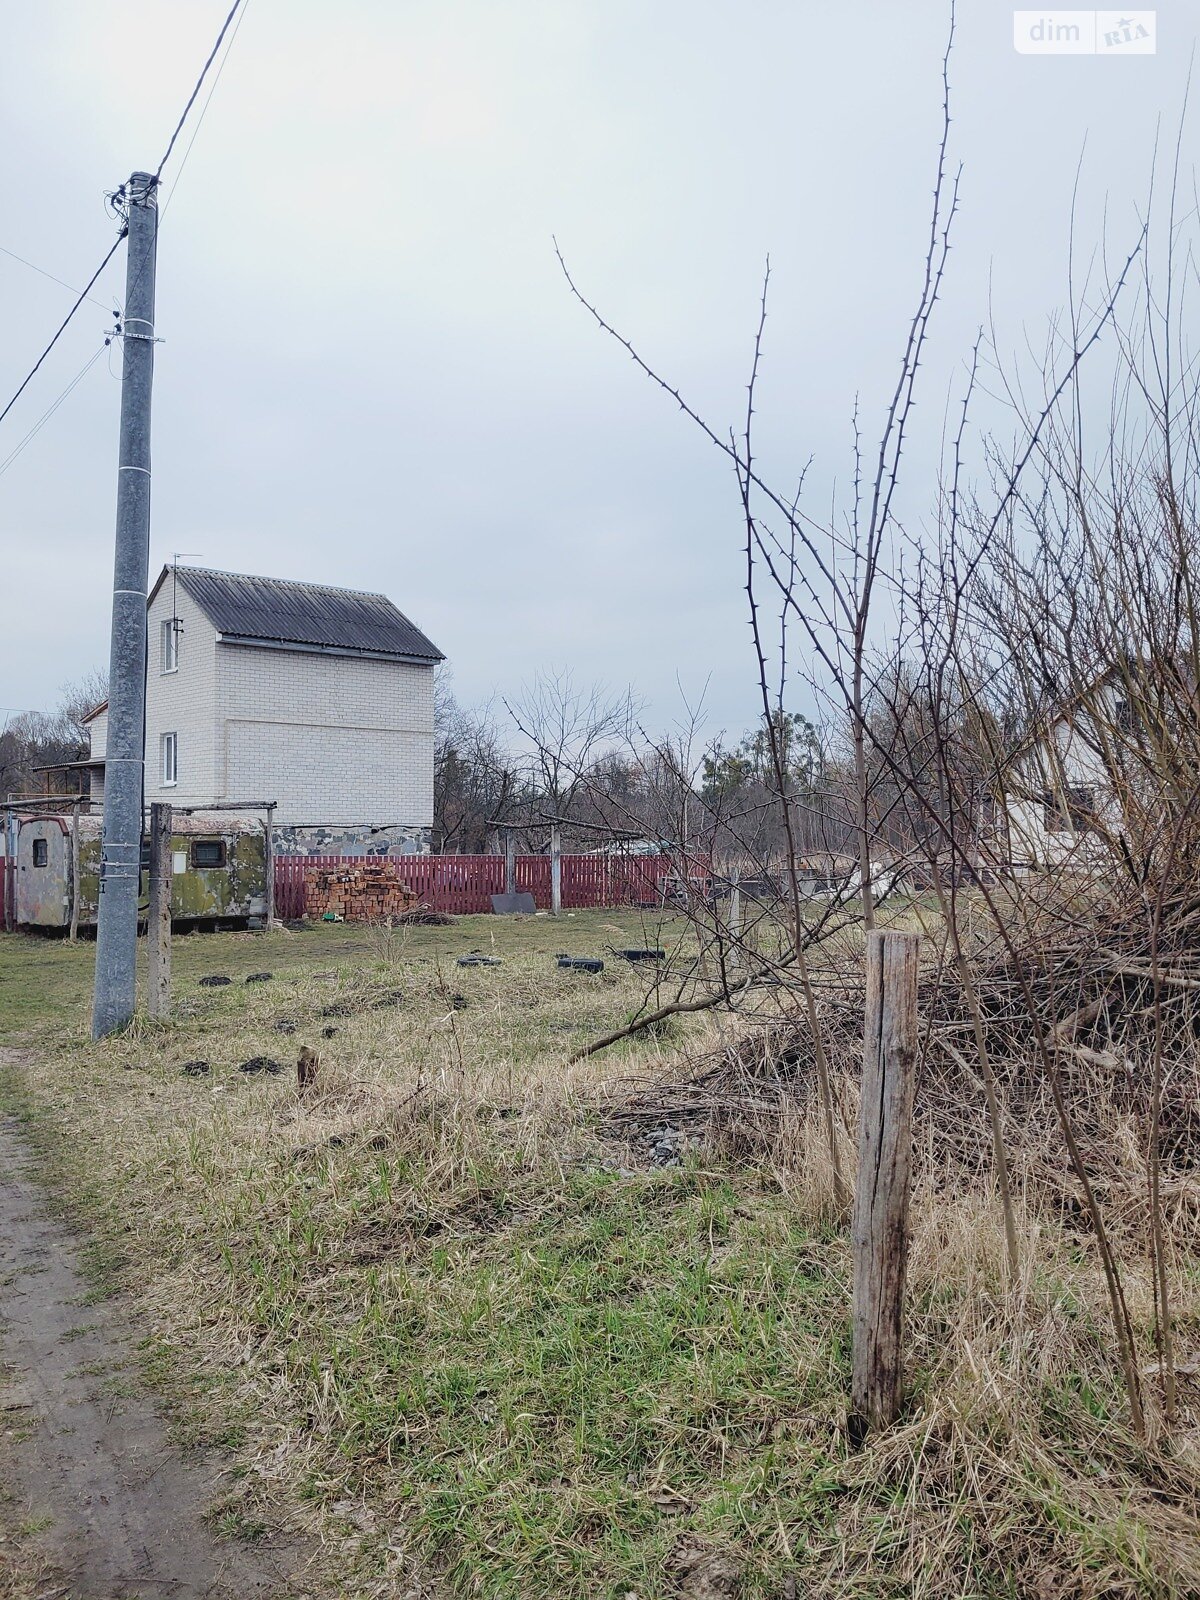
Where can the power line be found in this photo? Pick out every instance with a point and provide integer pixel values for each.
(63, 324)
(119, 195)
(47, 414)
(33, 266)
(199, 84)
(207, 102)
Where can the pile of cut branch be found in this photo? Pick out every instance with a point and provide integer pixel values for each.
(1099, 1005)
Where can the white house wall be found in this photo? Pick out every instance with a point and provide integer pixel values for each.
(182, 702)
(97, 748)
(335, 740)
(339, 742)
(1070, 758)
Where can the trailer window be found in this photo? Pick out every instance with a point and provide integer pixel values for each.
(41, 853)
(208, 852)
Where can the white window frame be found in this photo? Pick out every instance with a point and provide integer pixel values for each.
(169, 752)
(168, 635)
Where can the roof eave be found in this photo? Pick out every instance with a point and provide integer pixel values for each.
(351, 651)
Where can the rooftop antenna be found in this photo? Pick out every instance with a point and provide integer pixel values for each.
(176, 557)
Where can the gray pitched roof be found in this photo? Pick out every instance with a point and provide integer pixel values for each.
(276, 612)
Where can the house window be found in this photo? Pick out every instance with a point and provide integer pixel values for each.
(41, 853)
(208, 852)
(169, 635)
(1072, 811)
(170, 760)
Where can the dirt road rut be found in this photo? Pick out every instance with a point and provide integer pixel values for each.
(110, 1503)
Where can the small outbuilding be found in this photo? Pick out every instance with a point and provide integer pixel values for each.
(218, 870)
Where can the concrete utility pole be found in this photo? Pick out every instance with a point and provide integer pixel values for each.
(556, 871)
(510, 861)
(116, 916)
(735, 916)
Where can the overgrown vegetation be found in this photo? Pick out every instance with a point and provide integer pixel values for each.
(541, 1288)
(444, 1313)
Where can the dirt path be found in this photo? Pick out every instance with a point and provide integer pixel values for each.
(110, 1504)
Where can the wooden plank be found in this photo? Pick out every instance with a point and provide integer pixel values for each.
(158, 925)
(73, 935)
(269, 864)
(880, 1221)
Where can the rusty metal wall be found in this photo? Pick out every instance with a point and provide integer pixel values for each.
(43, 894)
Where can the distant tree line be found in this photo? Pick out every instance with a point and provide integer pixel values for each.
(576, 757)
(558, 753)
(32, 740)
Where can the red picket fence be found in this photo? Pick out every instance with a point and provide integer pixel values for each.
(463, 885)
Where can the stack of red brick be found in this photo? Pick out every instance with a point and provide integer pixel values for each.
(371, 891)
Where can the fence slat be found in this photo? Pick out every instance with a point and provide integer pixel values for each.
(464, 885)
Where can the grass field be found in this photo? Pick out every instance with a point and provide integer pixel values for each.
(443, 1319)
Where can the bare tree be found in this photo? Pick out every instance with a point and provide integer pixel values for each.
(474, 774)
(568, 727)
(1052, 628)
(39, 739)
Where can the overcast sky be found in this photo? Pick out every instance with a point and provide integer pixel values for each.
(373, 374)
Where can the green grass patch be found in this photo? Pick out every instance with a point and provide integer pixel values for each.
(46, 983)
(457, 1318)
(557, 1398)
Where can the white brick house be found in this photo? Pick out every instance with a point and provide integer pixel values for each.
(319, 699)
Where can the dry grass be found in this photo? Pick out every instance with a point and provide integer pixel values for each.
(439, 1313)
(24, 1575)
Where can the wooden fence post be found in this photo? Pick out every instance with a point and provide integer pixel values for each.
(556, 871)
(74, 933)
(880, 1223)
(269, 866)
(158, 998)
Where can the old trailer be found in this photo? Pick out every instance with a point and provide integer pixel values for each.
(218, 869)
